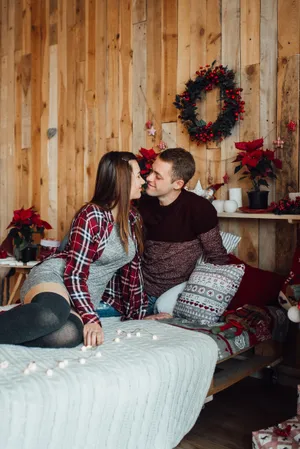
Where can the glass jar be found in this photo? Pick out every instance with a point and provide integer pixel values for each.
(48, 247)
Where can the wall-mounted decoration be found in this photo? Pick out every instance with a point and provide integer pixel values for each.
(208, 78)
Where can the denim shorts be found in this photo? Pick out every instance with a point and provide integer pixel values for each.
(106, 310)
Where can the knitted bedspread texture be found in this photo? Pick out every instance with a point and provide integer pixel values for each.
(141, 393)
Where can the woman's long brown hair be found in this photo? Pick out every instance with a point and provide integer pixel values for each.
(112, 188)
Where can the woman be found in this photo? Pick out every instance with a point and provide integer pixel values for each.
(100, 262)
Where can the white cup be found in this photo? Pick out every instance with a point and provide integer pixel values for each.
(236, 195)
(218, 205)
(293, 195)
(230, 206)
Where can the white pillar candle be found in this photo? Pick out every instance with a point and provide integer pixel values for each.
(236, 195)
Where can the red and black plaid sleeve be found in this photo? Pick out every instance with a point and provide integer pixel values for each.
(87, 241)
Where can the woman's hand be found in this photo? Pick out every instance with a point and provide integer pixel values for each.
(93, 334)
(158, 316)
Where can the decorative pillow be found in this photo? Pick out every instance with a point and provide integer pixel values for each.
(166, 302)
(230, 242)
(258, 287)
(208, 292)
(290, 292)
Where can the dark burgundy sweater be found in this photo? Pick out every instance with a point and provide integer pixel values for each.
(176, 235)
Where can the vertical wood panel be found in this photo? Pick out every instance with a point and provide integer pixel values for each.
(112, 75)
(10, 152)
(80, 37)
(62, 111)
(213, 106)
(198, 16)
(268, 79)
(91, 156)
(36, 111)
(70, 112)
(26, 28)
(287, 109)
(125, 76)
(52, 143)
(154, 48)
(231, 48)
(3, 143)
(139, 11)
(18, 128)
(183, 69)
(250, 82)
(101, 68)
(44, 155)
(139, 82)
(169, 59)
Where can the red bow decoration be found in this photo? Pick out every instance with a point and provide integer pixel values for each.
(282, 431)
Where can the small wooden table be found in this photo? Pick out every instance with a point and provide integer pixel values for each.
(22, 269)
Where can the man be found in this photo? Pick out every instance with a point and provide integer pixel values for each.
(179, 225)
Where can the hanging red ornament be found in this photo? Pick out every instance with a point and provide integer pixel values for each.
(148, 124)
(291, 126)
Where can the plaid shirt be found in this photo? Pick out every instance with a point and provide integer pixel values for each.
(89, 234)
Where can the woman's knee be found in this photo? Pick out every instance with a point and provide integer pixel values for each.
(52, 309)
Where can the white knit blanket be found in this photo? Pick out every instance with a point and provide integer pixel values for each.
(142, 393)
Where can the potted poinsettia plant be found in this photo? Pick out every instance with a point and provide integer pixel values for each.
(25, 223)
(259, 166)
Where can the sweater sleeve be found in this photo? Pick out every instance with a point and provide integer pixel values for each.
(83, 244)
(213, 248)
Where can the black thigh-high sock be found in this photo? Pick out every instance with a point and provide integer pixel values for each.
(46, 313)
(68, 336)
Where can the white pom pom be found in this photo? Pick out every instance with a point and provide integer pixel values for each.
(26, 371)
(138, 334)
(4, 364)
(128, 335)
(61, 365)
(32, 366)
(154, 337)
(83, 348)
(117, 340)
(49, 372)
(98, 354)
(82, 361)
(294, 314)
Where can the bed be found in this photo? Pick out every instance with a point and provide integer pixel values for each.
(242, 355)
(144, 391)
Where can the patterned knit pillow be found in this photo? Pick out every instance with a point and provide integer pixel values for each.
(208, 292)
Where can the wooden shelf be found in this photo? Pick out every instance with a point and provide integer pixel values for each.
(268, 216)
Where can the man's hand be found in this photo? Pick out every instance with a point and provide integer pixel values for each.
(93, 334)
(158, 316)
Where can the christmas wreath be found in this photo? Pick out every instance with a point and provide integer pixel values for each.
(206, 79)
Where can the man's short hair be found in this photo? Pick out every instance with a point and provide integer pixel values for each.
(183, 163)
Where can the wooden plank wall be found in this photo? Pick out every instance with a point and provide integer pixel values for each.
(93, 72)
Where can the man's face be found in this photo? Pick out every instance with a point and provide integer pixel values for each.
(160, 180)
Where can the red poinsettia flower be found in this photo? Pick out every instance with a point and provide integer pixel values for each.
(148, 154)
(27, 217)
(258, 164)
(249, 146)
(250, 161)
